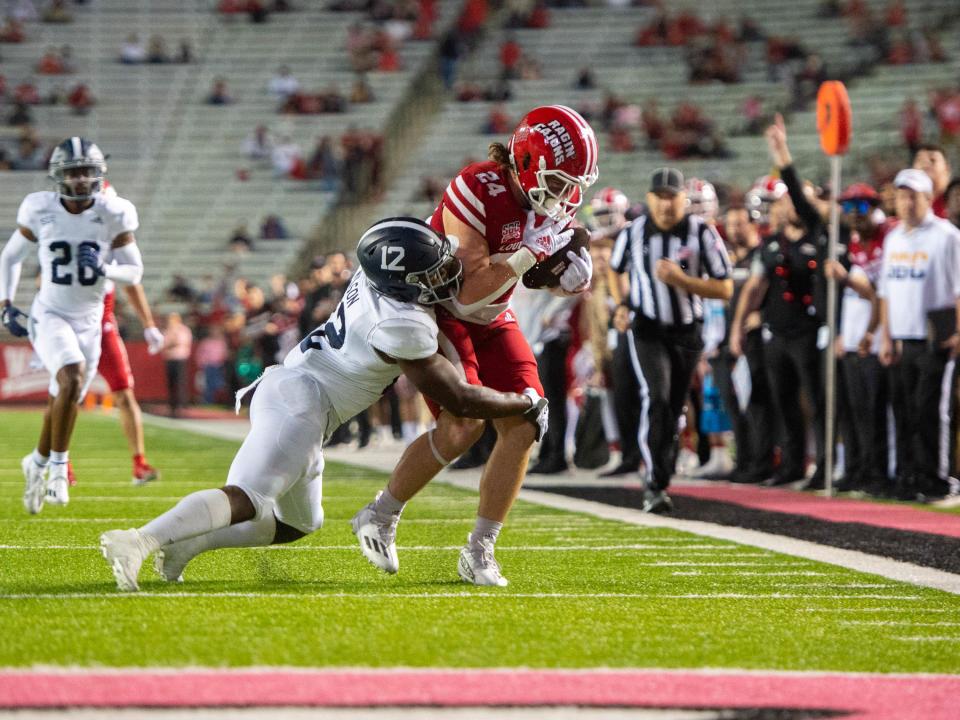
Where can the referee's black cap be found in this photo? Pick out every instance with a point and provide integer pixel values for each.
(666, 178)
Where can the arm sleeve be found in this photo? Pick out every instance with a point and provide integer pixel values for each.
(17, 249)
(405, 338)
(805, 211)
(620, 257)
(128, 268)
(714, 253)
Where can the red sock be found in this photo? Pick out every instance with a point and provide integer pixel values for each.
(138, 460)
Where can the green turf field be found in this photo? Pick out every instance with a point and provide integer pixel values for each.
(583, 592)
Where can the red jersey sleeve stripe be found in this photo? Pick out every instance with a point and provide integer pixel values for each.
(461, 211)
(467, 194)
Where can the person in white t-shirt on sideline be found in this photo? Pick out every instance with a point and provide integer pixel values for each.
(382, 327)
(919, 292)
(82, 238)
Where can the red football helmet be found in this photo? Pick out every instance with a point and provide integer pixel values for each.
(608, 211)
(762, 193)
(554, 153)
(702, 199)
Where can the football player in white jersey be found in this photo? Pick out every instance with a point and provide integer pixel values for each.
(82, 239)
(380, 329)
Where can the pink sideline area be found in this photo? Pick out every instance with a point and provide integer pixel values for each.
(864, 696)
(845, 510)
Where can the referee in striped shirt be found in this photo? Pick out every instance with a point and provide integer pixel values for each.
(672, 261)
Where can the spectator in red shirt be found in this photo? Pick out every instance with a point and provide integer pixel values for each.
(472, 20)
(12, 31)
(901, 52)
(948, 116)
(620, 139)
(80, 100)
(498, 122)
(932, 160)
(389, 58)
(539, 17)
(50, 63)
(510, 53)
(896, 13)
(911, 125)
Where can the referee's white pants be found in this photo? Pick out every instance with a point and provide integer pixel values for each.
(280, 464)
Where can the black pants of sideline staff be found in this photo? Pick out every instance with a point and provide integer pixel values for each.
(793, 364)
(921, 384)
(552, 368)
(751, 426)
(664, 359)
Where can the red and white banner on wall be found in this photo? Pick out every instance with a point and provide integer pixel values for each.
(19, 382)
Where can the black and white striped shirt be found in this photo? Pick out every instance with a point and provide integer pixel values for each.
(692, 244)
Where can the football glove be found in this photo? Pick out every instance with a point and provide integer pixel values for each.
(88, 256)
(545, 240)
(577, 276)
(537, 414)
(154, 339)
(11, 321)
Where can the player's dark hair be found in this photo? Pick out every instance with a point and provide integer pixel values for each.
(929, 147)
(498, 153)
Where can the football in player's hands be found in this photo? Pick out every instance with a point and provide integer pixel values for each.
(547, 272)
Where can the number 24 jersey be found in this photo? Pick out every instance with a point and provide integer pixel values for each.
(64, 286)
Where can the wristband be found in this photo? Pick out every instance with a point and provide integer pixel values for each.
(521, 261)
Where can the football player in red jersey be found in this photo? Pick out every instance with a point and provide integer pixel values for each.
(115, 368)
(506, 214)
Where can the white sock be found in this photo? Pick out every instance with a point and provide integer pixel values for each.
(197, 513)
(485, 528)
(385, 433)
(253, 533)
(60, 458)
(387, 504)
(40, 460)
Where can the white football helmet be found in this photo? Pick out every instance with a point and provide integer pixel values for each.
(78, 167)
(702, 199)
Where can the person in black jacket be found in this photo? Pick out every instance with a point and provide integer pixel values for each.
(787, 281)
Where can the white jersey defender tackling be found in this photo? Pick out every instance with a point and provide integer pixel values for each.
(81, 237)
(380, 329)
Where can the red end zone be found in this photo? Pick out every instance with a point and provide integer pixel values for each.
(878, 697)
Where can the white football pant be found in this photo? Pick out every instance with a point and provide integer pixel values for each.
(61, 340)
(280, 464)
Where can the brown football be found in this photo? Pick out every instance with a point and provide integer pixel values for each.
(547, 272)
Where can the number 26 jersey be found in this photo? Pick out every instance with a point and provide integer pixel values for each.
(341, 354)
(65, 287)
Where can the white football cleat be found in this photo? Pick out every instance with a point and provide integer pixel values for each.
(377, 534)
(33, 476)
(58, 484)
(477, 564)
(125, 550)
(169, 563)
